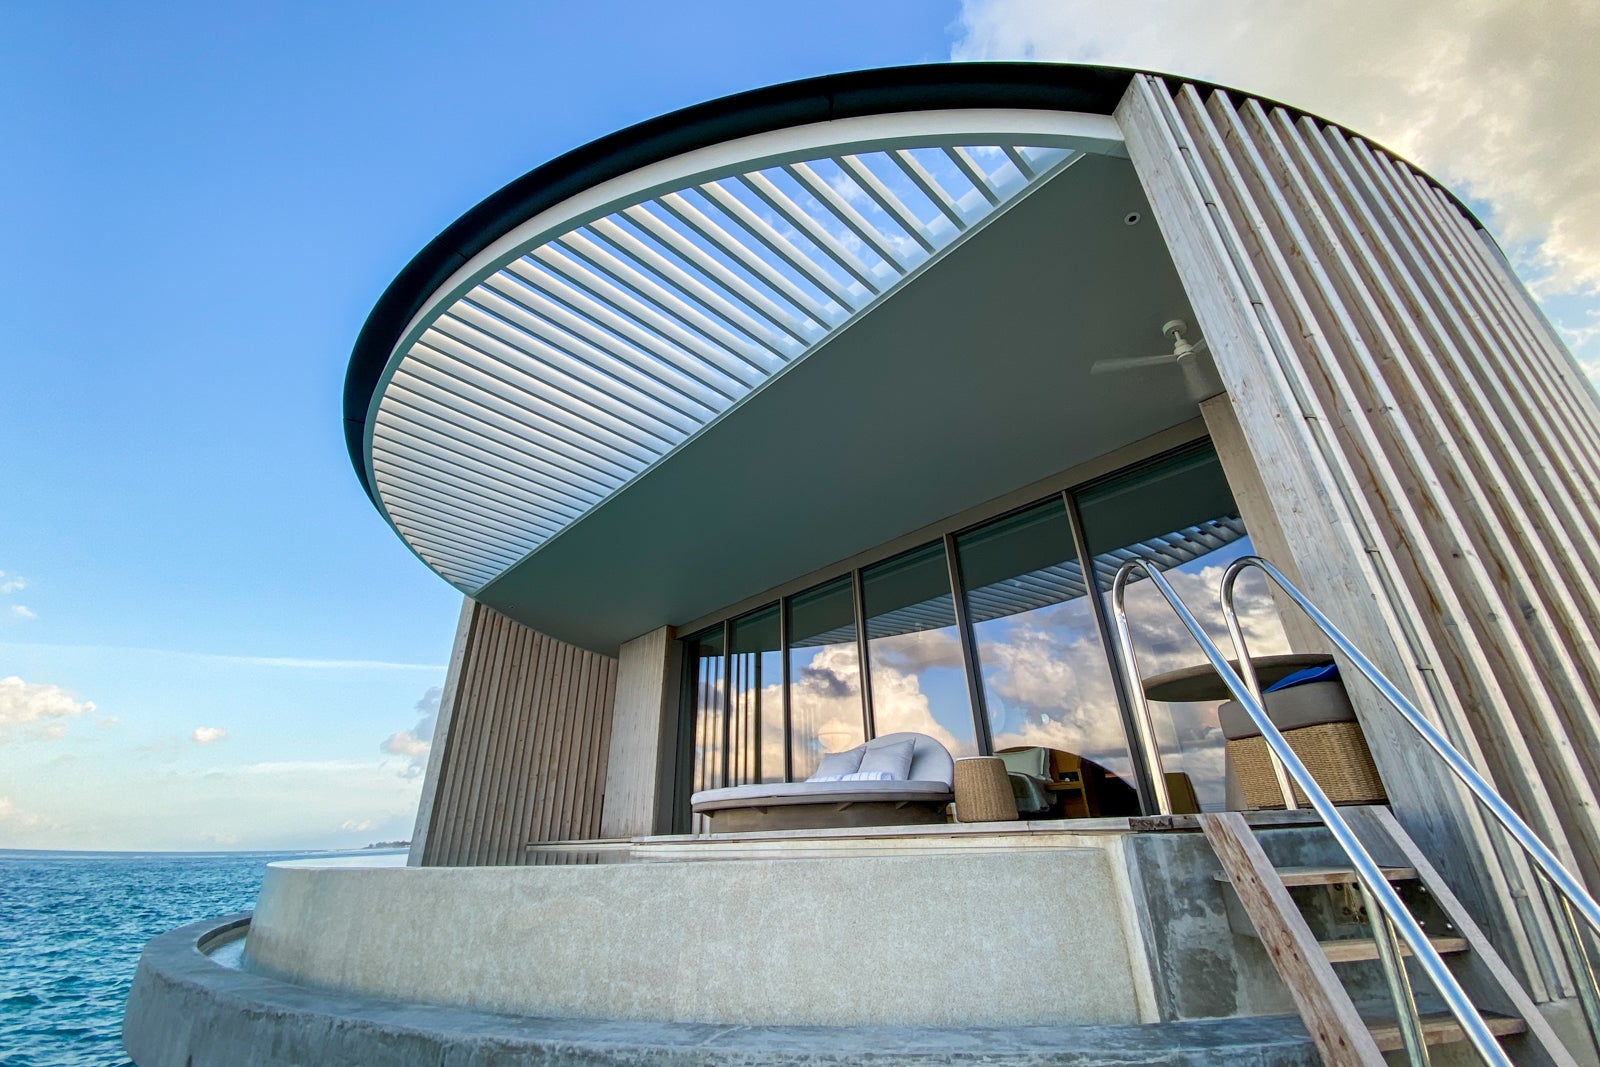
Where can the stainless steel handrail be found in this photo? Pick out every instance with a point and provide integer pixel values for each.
(1373, 883)
(1571, 896)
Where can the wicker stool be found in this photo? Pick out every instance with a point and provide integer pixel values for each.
(1320, 725)
(983, 791)
(1335, 753)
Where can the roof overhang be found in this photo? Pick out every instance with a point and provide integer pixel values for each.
(731, 346)
(592, 342)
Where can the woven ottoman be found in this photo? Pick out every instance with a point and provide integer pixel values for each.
(1320, 726)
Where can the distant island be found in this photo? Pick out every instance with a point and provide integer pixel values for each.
(387, 844)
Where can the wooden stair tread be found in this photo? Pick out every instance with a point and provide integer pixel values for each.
(1331, 875)
(1354, 949)
(1441, 1028)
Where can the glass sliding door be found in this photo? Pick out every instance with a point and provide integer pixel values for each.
(703, 663)
(755, 698)
(1019, 667)
(1046, 678)
(825, 712)
(1178, 513)
(914, 659)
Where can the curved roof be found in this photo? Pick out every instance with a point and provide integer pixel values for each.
(589, 320)
(1090, 90)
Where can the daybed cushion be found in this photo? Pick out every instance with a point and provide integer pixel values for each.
(773, 794)
(846, 762)
(1310, 704)
(894, 758)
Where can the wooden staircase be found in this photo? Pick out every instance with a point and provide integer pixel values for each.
(1308, 966)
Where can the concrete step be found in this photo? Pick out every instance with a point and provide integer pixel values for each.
(1338, 875)
(1353, 950)
(1332, 875)
(1441, 1028)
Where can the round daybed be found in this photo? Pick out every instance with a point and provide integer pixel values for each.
(834, 798)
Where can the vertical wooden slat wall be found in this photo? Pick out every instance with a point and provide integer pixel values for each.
(524, 760)
(1433, 451)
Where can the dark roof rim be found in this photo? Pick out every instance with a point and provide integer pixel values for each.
(922, 87)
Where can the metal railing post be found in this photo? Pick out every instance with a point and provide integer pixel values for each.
(1135, 685)
(1394, 974)
(1565, 897)
(1374, 883)
(1247, 671)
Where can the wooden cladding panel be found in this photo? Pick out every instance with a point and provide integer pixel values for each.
(1432, 452)
(1430, 385)
(524, 754)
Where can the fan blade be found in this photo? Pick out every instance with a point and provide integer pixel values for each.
(1106, 366)
(1198, 347)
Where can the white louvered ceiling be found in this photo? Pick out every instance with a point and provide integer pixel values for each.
(570, 369)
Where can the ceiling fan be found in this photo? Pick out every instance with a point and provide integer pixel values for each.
(1182, 352)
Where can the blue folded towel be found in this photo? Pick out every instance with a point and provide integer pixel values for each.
(1328, 672)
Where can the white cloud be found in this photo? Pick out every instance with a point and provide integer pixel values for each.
(352, 825)
(263, 805)
(412, 745)
(407, 744)
(205, 735)
(13, 584)
(27, 707)
(1493, 97)
(14, 819)
(826, 693)
(288, 662)
(23, 612)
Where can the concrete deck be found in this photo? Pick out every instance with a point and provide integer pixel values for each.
(931, 931)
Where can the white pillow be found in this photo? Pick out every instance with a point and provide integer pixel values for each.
(894, 758)
(834, 764)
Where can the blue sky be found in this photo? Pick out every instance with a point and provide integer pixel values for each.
(201, 203)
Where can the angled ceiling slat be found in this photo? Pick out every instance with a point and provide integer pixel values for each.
(768, 193)
(649, 344)
(865, 231)
(529, 479)
(744, 345)
(495, 443)
(929, 186)
(703, 226)
(682, 332)
(545, 503)
(781, 246)
(897, 209)
(789, 321)
(589, 354)
(705, 291)
(589, 348)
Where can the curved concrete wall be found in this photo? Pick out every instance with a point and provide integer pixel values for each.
(186, 1010)
(1014, 935)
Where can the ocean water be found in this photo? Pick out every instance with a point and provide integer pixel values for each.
(72, 925)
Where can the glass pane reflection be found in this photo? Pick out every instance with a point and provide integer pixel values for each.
(824, 675)
(1180, 515)
(1047, 682)
(913, 651)
(704, 667)
(755, 685)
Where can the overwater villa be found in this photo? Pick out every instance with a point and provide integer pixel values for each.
(982, 563)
